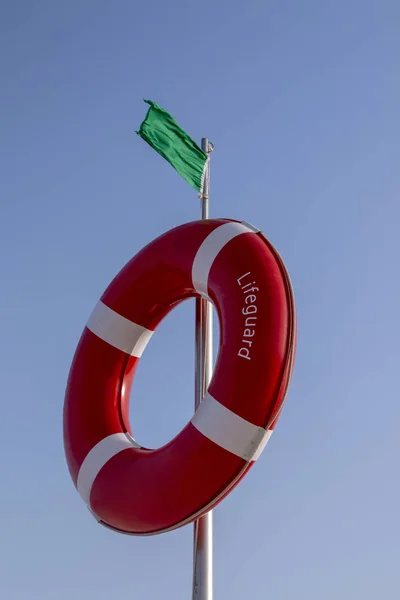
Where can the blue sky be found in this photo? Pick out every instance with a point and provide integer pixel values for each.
(301, 100)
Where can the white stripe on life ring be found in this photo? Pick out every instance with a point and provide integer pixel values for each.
(209, 250)
(99, 455)
(228, 430)
(118, 331)
(212, 419)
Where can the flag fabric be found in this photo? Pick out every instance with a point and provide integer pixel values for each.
(165, 136)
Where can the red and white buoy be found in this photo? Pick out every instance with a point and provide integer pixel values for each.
(143, 491)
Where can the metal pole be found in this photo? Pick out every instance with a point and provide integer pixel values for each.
(203, 527)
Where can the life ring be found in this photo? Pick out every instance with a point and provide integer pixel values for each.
(141, 491)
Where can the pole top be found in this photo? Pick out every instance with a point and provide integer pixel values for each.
(206, 145)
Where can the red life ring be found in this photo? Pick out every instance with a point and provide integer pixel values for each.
(141, 491)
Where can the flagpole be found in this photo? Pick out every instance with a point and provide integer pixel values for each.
(203, 527)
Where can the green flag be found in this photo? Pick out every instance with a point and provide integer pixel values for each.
(163, 134)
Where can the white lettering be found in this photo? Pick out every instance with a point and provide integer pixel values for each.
(242, 277)
(248, 332)
(250, 308)
(248, 322)
(250, 299)
(244, 353)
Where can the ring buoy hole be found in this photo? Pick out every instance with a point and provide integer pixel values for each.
(161, 405)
